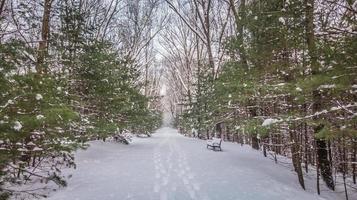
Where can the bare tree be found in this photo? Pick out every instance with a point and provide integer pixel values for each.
(203, 23)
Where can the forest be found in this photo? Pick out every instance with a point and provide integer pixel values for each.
(277, 75)
(69, 74)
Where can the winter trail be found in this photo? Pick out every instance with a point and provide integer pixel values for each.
(169, 166)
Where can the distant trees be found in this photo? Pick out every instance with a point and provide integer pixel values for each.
(197, 36)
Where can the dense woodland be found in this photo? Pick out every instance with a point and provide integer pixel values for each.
(279, 75)
(71, 71)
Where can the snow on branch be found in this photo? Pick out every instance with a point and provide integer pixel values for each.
(271, 121)
(9, 102)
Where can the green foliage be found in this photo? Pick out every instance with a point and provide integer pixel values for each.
(278, 79)
(34, 109)
(88, 90)
(237, 82)
(330, 132)
(103, 128)
(108, 83)
(4, 195)
(254, 127)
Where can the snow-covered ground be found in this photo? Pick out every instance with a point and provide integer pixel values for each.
(170, 166)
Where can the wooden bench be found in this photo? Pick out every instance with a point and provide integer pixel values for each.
(215, 143)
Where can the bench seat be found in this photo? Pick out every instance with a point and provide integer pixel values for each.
(215, 143)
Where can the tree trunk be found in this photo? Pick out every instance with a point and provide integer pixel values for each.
(345, 167)
(318, 178)
(207, 32)
(354, 160)
(239, 17)
(307, 150)
(43, 44)
(255, 142)
(321, 146)
(2, 5)
(296, 157)
(324, 163)
(252, 112)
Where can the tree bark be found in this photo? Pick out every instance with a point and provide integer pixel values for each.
(324, 163)
(317, 173)
(43, 44)
(2, 5)
(206, 26)
(307, 150)
(296, 157)
(254, 139)
(321, 146)
(345, 167)
(354, 159)
(239, 17)
(255, 142)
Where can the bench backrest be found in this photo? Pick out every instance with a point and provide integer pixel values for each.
(216, 141)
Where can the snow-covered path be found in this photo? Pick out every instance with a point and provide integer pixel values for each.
(170, 166)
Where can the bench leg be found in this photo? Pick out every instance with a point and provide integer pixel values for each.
(215, 148)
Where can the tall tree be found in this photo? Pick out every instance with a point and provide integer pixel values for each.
(45, 32)
(321, 145)
(2, 6)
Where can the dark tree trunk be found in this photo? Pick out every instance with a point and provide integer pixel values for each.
(345, 167)
(43, 44)
(228, 133)
(317, 171)
(2, 5)
(254, 139)
(321, 146)
(296, 158)
(218, 130)
(354, 145)
(255, 142)
(324, 163)
(307, 151)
